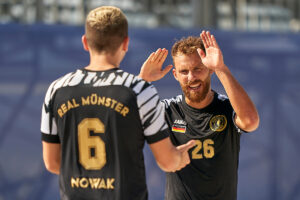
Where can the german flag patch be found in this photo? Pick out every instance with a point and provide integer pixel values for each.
(178, 128)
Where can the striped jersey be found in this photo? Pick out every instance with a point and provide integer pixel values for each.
(212, 173)
(101, 120)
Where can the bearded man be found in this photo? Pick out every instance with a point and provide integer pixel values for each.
(214, 120)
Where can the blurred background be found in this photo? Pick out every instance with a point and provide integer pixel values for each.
(40, 40)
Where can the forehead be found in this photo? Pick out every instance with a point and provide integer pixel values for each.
(183, 60)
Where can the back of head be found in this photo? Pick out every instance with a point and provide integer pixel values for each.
(187, 46)
(105, 29)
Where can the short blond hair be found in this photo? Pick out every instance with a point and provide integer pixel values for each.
(106, 27)
(187, 46)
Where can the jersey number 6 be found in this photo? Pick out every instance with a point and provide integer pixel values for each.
(87, 142)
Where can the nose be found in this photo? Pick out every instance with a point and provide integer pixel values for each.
(191, 76)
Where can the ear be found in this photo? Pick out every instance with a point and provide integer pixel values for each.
(174, 74)
(125, 44)
(84, 43)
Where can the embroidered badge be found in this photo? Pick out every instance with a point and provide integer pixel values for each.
(218, 123)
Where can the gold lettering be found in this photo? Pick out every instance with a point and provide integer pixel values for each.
(70, 105)
(60, 112)
(64, 108)
(93, 99)
(94, 182)
(124, 111)
(109, 183)
(101, 100)
(84, 183)
(74, 103)
(119, 106)
(113, 103)
(107, 102)
(75, 182)
(85, 101)
(102, 184)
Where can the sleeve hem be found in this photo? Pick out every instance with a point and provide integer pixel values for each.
(50, 138)
(158, 136)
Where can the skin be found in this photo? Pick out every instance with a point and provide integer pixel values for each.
(193, 73)
(168, 157)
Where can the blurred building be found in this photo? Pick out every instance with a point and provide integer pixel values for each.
(250, 15)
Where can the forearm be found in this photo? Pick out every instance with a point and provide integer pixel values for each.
(170, 158)
(247, 115)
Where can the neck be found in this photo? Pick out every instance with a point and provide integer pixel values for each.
(102, 62)
(202, 104)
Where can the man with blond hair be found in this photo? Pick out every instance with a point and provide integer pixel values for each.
(213, 120)
(95, 120)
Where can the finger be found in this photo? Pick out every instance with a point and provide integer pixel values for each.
(167, 69)
(201, 53)
(163, 55)
(214, 41)
(163, 58)
(208, 37)
(156, 54)
(186, 146)
(149, 59)
(203, 38)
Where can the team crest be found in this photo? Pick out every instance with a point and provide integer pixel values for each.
(218, 123)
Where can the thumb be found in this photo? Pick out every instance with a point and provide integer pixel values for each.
(201, 53)
(186, 146)
(167, 69)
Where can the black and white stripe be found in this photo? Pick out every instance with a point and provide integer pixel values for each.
(151, 111)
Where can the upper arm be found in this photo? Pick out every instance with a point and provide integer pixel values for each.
(52, 156)
(50, 138)
(152, 114)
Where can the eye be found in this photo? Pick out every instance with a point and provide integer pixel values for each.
(184, 72)
(199, 69)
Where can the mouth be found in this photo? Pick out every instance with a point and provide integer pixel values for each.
(194, 87)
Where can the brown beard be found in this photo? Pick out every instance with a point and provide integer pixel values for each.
(199, 96)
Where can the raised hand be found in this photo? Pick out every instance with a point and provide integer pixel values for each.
(213, 59)
(152, 67)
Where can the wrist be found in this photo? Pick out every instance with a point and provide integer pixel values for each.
(222, 70)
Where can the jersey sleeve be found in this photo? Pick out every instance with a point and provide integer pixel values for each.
(151, 112)
(48, 124)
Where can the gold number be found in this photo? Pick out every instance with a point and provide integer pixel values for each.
(208, 149)
(195, 152)
(86, 143)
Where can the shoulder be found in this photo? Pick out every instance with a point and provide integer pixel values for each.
(173, 101)
(57, 84)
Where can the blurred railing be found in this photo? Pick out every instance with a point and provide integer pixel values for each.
(253, 15)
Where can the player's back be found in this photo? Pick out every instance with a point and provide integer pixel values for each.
(100, 121)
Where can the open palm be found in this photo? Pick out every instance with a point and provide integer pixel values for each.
(152, 67)
(213, 58)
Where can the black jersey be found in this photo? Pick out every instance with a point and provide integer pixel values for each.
(212, 173)
(102, 119)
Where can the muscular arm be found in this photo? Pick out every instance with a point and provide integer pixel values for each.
(51, 156)
(246, 114)
(170, 158)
